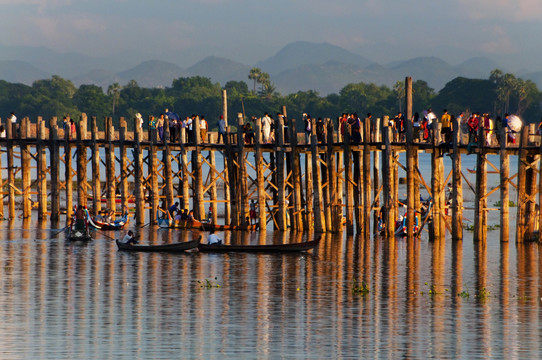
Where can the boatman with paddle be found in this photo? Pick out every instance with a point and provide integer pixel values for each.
(213, 239)
(129, 238)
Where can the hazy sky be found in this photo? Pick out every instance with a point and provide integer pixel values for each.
(249, 31)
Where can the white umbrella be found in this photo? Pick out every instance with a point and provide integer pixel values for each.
(514, 123)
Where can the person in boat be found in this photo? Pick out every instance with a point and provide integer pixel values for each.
(99, 216)
(191, 216)
(210, 214)
(252, 212)
(109, 217)
(178, 216)
(184, 215)
(213, 239)
(174, 209)
(80, 223)
(129, 238)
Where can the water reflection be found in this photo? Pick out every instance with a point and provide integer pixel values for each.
(63, 300)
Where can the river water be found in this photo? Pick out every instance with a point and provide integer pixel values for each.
(62, 300)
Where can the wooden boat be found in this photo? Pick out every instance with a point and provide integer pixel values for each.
(170, 248)
(78, 234)
(196, 224)
(102, 225)
(271, 248)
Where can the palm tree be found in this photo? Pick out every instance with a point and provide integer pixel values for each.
(399, 90)
(114, 91)
(255, 74)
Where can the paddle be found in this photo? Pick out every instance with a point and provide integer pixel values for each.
(56, 234)
(107, 236)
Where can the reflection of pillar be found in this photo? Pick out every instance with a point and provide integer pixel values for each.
(504, 292)
(438, 274)
(412, 289)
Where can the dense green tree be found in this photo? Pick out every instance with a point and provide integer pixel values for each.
(462, 94)
(236, 88)
(91, 100)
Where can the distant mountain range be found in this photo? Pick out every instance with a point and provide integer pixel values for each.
(298, 66)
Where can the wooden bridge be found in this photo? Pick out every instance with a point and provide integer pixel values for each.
(307, 187)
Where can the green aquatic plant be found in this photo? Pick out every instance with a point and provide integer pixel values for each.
(359, 288)
(464, 294)
(483, 294)
(510, 203)
(208, 284)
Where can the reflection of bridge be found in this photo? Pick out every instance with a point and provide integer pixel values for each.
(305, 186)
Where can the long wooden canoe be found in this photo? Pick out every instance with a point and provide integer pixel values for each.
(271, 248)
(170, 248)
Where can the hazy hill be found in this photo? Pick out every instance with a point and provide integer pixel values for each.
(220, 69)
(153, 73)
(298, 66)
(477, 67)
(15, 71)
(301, 53)
(98, 77)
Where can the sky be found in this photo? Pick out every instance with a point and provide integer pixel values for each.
(249, 31)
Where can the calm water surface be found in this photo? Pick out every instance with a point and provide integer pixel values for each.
(61, 300)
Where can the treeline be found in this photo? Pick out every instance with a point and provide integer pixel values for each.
(500, 93)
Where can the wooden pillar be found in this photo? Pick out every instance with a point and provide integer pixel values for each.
(411, 154)
(281, 176)
(480, 205)
(308, 219)
(96, 181)
(505, 187)
(324, 169)
(260, 175)
(25, 167)
(54, 151)
(124, 191)
(110, 165)
(214, 180)
(225, 107)
(199, 203)
(387, 184)
(153, 170)
(539, 197)
(349, 186)
(359, 204)
(82, 186)
(42, 170)
(167, 172)
(457, 186)
(186, 175)
(232, 180)
(242, 171)
(2, 185)
(521, 196)
(366, 178)
(139, 190)
(336, 213)
(319, 217)
(10, 131)
(68, 170)
(296, 178)
(376, 174)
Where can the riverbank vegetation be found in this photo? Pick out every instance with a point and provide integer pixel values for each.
(496, 95)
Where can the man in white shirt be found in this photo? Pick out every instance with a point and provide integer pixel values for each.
(129, 238)
(12, 117)
(213, 239)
